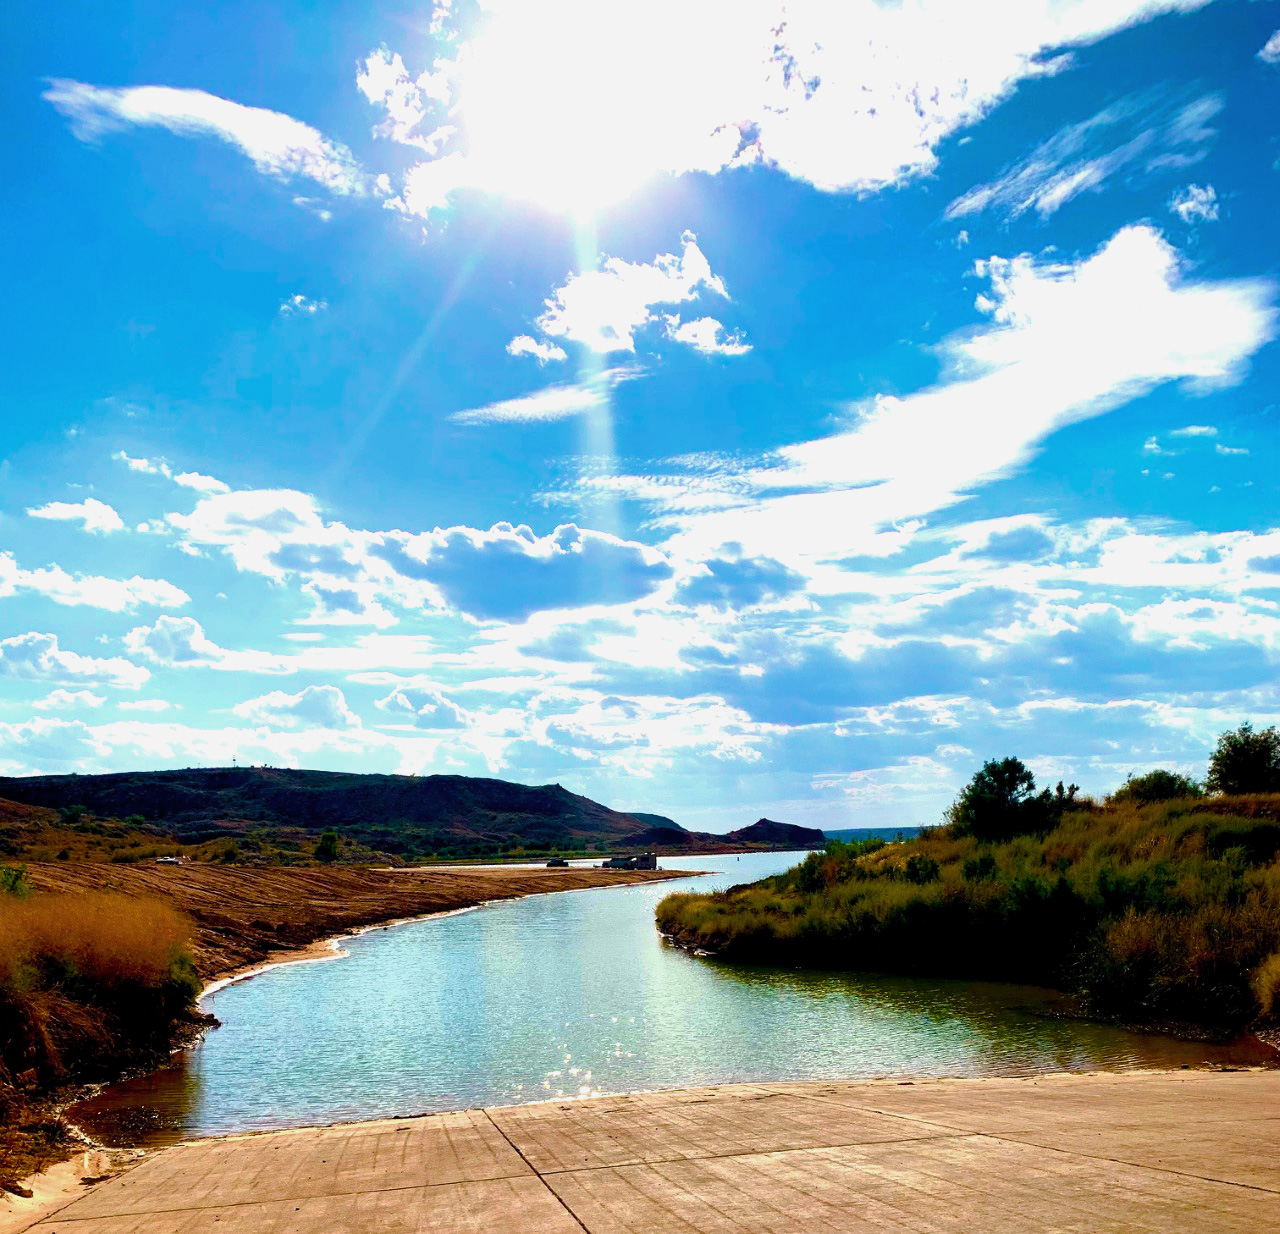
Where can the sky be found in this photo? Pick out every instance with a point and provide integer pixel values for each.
(723, 409)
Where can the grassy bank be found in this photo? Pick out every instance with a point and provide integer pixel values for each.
(1161, 912)
(100, 963)
(90, 984)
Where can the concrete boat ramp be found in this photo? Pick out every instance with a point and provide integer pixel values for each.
(1170, 1153)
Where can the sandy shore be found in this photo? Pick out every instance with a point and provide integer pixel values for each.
(1189, 1151)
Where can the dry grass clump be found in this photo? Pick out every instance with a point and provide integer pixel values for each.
(88, 984)
(1166, 911)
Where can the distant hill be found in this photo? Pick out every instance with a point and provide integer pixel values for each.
(778, 835)
(403, 816)
(848, 834)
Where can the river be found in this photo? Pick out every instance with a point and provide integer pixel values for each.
(574, 994)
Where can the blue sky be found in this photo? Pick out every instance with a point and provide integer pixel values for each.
(721, 408)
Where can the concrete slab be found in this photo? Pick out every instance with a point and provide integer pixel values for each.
(960, 1184)
(291, 1165)
(700, 1123)
(514, 1204)
(1189, 1153)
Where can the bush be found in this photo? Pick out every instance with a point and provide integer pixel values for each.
(326, 848)
(1158, 785)
(921, 869)
(979, 869)
(13, 881)
(1245, 761)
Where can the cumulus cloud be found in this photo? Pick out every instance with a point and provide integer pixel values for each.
(1195, 203)
(95, 515)
(66, 700)
(174, 640)
(37, 657)
(1270, 50)
(739, 582)
(425, 705)
(524, 345)
(707, 335)
(311, 707)
(507, 572)
(1195, 430)
(604, 308)
(852, 96)
(114, 595)
(1133, 134)
(298, 305)
(276, 144)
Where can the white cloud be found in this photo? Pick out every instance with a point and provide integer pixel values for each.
(160, 467)
(180, 642)
(114, 595)
(1065, 342)
(1219, 448)
(311, 707)
(556, 101)
(96, 515)
(64, 700)
(524, 345)
(604, 308)
(276, 144)
(559, 402)
(148, 466)
(1195, 203)
(708, 336)
(145, 704)
(386, 83)
(1084, 157)
(426, 705)
(298, 305)
(1195, 430)
(1270, 52)
(37, 657)
(201, 483)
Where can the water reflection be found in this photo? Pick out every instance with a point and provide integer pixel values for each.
(574, 994)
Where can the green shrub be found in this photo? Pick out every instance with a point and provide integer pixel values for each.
(981, 869)
(1158, 785)
(1245, 761)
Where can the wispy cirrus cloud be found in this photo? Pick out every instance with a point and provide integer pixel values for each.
(278, 145)
(558, 402)
(1136, 133)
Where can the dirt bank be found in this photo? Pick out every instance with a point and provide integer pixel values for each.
(244, 916)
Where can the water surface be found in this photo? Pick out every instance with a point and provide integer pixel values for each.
(575, 994)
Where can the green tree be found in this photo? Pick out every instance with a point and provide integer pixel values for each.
(1158, 785)
(1245, 761)
(1001, 801)
(326, 848)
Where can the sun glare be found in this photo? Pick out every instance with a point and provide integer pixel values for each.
(575, 104)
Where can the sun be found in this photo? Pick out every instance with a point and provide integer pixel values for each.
(575, 104)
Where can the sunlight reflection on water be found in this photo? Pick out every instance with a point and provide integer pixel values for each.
(572, 995)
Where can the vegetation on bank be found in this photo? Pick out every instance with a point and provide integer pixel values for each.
(1161, 903)
(90, 984)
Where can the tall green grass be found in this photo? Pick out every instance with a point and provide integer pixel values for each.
(1160, 912)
